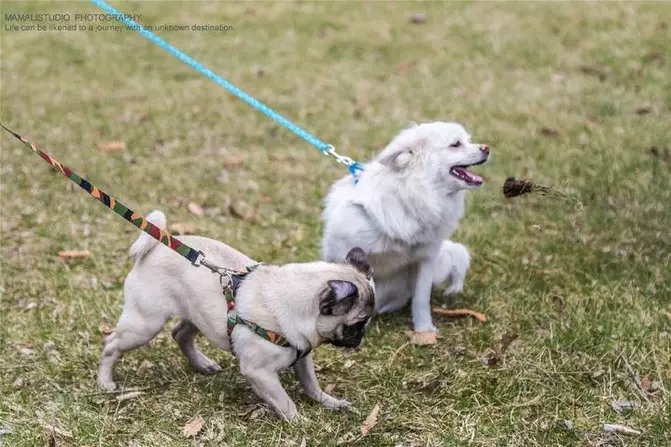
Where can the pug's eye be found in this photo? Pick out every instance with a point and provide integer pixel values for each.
(457, 144)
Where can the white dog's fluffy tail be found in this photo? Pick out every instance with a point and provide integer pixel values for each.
(145, 242)
(452, 263)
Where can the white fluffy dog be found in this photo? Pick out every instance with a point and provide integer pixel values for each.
(406, 204)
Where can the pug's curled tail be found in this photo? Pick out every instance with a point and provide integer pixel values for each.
(145, 243)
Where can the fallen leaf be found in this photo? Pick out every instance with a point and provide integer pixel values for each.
(550, 132)
(183, 228)
(329, 388)
(460, 313)
(620, 406)
(644, 109)
(347, 437)
(69, 254)
(418, 18)
(257, 413)
(600, 72)
(371, 420)
(234, 161)
(304, 443)
(145, 365)
(348, 364)
(196, 209)
(650, 387)
(32, 305)
(422, 338)
(620, 429)
(129, 396)
(645, 384)
(105, 328)
(500, 349)
(653, 56)
(505, 342)
(233, 209)
(235, 212)
(112, 146)
(404, 67)
(193, 427)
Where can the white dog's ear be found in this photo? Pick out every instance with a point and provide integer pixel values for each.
(402, 150)
(397, 160)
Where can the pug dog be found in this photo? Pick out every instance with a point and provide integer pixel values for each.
(309, 304)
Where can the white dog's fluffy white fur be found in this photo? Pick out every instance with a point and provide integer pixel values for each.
(405, 206)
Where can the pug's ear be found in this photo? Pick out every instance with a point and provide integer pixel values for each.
(358, 259)
(339, 298)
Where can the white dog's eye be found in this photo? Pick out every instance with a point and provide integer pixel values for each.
(457, 144)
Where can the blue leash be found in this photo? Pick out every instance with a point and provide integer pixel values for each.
(327, 149)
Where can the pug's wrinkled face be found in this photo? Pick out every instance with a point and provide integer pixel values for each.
(345, 306)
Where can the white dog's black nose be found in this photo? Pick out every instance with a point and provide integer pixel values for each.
(485, 149)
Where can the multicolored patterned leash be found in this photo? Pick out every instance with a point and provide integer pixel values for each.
(197, 258)
(137, 219)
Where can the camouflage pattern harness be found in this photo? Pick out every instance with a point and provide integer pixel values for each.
(230, 283)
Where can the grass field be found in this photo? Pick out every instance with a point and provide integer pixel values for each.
(572, 95)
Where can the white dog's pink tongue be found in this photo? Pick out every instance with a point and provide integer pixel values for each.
(468, 176)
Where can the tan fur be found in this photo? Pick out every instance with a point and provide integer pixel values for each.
(284, 299)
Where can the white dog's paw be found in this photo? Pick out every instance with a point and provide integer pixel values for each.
(457, 286)
(426, 327)
(332, 403)
(107, 385)
(289, 412)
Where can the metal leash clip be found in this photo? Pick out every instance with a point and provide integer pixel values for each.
(214, 268)
(343, 159)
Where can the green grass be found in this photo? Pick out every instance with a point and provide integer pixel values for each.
(579, 280)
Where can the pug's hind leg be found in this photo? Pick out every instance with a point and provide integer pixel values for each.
(305, 370)
(266, 384)
(132, 331)
(184, 334)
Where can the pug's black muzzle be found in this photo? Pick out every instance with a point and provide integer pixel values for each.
(351, 335)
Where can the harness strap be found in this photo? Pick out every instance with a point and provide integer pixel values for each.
(229, 290)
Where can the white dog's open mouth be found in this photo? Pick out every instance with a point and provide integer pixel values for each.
(465, 175)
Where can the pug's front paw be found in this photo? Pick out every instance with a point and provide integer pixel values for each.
(332, 403)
